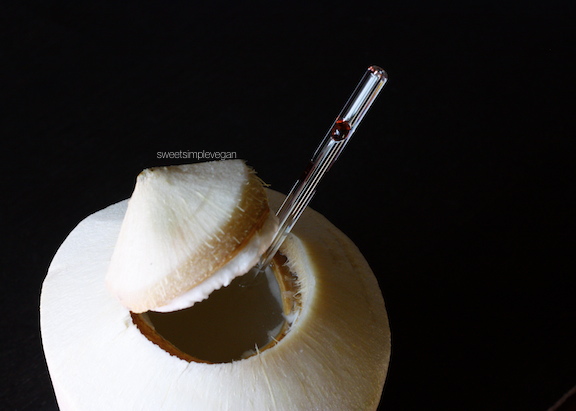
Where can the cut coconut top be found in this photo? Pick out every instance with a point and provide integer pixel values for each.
(189, 230)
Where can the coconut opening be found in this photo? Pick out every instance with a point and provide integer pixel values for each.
(234, 323)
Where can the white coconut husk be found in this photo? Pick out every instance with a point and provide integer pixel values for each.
(189, 230)
(334, 357)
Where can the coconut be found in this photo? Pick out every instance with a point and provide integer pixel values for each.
(329, 350)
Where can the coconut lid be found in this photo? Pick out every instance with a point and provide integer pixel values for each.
(189, 230)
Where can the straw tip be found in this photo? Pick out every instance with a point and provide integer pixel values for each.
(379, 72)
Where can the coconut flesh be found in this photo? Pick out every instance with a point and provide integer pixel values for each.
(311, 334)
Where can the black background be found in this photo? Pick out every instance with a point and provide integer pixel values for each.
(458, 187)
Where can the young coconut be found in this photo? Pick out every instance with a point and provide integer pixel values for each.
(331, 352)
(333, 355)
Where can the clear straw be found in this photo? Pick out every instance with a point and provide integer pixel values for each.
(325, 155)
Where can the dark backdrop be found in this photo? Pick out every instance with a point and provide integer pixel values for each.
(458, 187)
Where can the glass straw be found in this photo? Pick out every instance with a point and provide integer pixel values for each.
(325, 155)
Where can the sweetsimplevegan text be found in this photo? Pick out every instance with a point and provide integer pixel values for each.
(197, 155)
